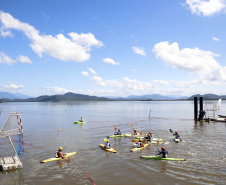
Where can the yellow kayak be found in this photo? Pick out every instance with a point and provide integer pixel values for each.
(137, 149)
(55, 158)
(108, 149)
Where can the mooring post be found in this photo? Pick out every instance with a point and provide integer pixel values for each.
(195, 108)
(201, 103)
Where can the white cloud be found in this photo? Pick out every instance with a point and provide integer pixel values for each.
(198, 61)
(5, 59)
(92, 71)
(59, 46)
(12, 88)
(162, 82)
(5, 33)
(85, 73)
(110, 61)
(206, 7)
(216, 39)
(57, 90)
(24, 59)
(139, 51)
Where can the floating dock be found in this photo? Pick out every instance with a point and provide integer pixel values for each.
(9, 163)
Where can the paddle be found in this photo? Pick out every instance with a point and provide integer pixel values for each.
(157, 147)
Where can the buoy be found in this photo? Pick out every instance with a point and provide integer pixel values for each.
(58, 130)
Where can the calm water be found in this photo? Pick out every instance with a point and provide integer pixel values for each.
(203, 144)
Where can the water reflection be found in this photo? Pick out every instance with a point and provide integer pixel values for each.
(16, 176)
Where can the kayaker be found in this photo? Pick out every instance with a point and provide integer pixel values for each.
(164, 153)
(134, 131)
(140, 144)
(59, 153)
(107, 144)
(81, 119)
(149, 136)
(176, 135)
(118, 133)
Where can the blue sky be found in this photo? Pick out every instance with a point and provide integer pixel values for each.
(113, 48)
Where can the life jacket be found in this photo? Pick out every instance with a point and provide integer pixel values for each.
(107, 145)
(139, 144)
(57, 154)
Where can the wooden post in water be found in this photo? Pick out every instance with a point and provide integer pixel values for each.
(195, 108)
(201, 103)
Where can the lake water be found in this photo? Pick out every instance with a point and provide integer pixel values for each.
(203, 144)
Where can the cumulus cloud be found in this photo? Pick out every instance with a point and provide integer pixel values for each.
(206, 7)
(92, 71)
(216, 39)
(139, 51)
(7, 60)
(24, 59)
(12, 87)
(85, 73)
(65, 49)
(198, 61)
(57, 90)
(110, 61)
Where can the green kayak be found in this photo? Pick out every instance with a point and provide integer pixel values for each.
(116, 136)
(80, 122)
(162, 158)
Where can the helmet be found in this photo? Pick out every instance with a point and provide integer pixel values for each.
(118, 130)
(163, 148)
(60, 148)
(107, 141)
(149, 132)
(176, 132)
(135, 129)
(139, 139)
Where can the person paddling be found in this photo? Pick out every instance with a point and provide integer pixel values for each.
(134, 131)
(81, 119)
(139, 144)
(176, 135)
(149, 138)
(59, 153)
(163, 153)
(107, 144)
(118, 133)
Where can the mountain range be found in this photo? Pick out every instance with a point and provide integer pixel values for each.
(9, 97)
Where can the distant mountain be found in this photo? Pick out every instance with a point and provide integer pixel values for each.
(11, 96)
(149, 97)
(65, 97)
(208, 97)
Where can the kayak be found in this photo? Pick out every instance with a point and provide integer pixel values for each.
(138, 149)
(116, 136)
(162, 158)
(130, 135)
(159, 142)
(151, 139)
(80, 122)
(176, 140)
(55, 158)
(108, 149)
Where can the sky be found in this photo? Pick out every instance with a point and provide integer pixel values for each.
(113, 47)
